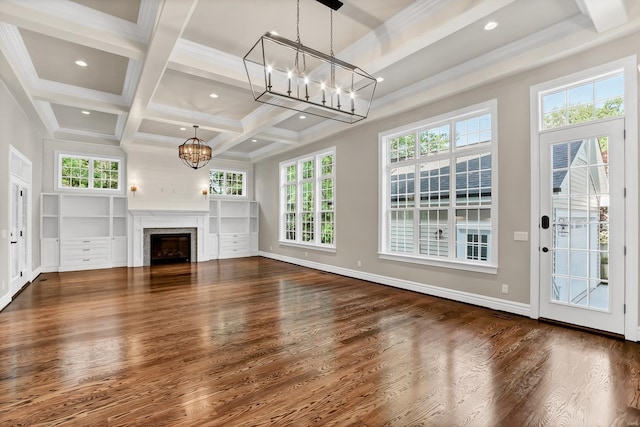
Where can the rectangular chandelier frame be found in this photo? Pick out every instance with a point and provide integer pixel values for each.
(288, 74)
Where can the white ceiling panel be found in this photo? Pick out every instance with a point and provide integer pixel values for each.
(124, 9)
(95, 121)
(190, 92)
(54, 60)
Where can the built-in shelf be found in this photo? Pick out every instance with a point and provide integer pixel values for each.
(233, 228)
(83, 231)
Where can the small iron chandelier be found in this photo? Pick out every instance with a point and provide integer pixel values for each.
(288, 74)
(194, 152)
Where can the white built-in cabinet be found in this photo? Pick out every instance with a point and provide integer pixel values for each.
(233, 228)
(80, 232)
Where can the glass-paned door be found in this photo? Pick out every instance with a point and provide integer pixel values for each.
(582, 226)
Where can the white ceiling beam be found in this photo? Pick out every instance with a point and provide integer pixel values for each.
(605, 15)
(206, 62)
(49, 18)
(172, 20)
(178, 116)
(78, 101)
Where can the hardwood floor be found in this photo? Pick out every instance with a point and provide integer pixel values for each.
(252, 342)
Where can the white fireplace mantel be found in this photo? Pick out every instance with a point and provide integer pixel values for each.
(142, 219)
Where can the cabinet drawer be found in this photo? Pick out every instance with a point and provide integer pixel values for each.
(80, 251)
(84, 243)
(88, 259)
(240, 241)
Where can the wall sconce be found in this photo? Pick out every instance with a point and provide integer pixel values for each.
(205, 192)
(134, 188)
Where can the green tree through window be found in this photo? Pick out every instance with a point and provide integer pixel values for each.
(88, 173)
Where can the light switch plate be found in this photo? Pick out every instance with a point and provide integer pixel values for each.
(521, 236)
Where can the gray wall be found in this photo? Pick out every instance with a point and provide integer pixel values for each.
(357, 184)
(16, 130)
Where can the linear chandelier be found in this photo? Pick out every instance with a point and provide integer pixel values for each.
(194, 152)
(288, 74)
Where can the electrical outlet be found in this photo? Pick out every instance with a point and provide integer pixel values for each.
(4, 234)
(270, 248)
(505, 289)
(359, 263)
(306, 254)
(521, 236)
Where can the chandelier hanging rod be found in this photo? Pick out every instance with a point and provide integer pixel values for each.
(307, 50)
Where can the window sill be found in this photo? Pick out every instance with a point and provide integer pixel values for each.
(456, 265)
(308, 246)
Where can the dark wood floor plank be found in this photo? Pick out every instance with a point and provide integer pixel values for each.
(252, 342)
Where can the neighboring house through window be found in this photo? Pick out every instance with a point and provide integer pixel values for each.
(439, 183)
(307, 200)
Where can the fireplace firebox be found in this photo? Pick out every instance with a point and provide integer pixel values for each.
(170, 248)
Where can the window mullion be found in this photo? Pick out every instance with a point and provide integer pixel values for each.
(91, 164)
(416, 205)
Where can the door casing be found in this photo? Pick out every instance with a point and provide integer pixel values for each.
(632, 220)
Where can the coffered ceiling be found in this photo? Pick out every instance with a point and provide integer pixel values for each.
(154, 68)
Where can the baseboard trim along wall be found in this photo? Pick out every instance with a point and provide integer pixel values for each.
(5, 300)
(35, 273)
(466, 297)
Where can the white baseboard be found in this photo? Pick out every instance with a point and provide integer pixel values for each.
(35, 273)
(466, 297)
(5, 300)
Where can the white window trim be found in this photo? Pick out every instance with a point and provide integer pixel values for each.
(316, 156)
(629, 64)
(229, 196)
(91, 157)
(491, 267)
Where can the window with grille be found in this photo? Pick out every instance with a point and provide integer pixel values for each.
(438, 190)
(227, 183)
(307, 194)
(88, 173)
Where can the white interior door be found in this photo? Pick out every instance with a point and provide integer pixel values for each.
(582, 234)
(18, 236)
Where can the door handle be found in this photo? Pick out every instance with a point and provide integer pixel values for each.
(545, 249)
(545, 221)
(14, 243)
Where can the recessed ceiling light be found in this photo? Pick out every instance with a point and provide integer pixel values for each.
(303, 117)
(183, 128)
(254, 140)
(491, 25)
(86, 112)
(81, 63)
(380, 79)
(213, 95)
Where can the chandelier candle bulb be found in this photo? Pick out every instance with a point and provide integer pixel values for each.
(306, 88)
(338, 96)
(353, 108)
(289, 78)
(324, 100)
(269, 69)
